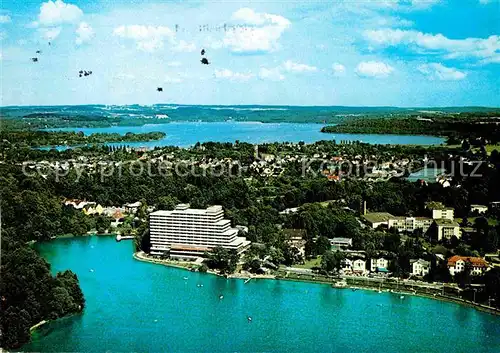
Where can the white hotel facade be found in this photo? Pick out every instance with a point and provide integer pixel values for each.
(188, 233)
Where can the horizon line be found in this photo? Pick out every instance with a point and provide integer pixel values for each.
(258, 105)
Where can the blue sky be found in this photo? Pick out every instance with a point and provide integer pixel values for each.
(370, 52)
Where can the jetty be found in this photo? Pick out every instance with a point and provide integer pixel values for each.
(123, 237)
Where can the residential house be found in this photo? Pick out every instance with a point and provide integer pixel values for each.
(420, 267)
(457, 264)
(340, 243)
(379, 264)
(346, 265)
(359, 266)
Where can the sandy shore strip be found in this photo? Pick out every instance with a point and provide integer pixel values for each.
(34, 327)
(141, 256)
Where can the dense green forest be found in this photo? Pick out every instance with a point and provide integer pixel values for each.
(455, 127)
(29, 292)
(21, 139)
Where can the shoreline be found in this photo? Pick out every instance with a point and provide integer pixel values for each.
(41, 323)
(439, 297)
(139, 256)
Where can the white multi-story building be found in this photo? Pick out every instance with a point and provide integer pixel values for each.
(420, 267)
(189, 233)
(446, 229)
(410, 224)
(439, 211)
(379, 264)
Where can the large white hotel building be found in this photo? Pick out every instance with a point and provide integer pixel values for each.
(188, 233)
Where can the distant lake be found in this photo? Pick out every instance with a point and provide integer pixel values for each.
(184, 134)
(133, 306)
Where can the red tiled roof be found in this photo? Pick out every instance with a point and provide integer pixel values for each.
(475, 261)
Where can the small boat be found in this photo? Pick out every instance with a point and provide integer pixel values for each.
(247, 280)
(91, 270)
(249, 318)
(221, 297)
(354, 289)
(184, 278)
(199, 285)
(401, 297)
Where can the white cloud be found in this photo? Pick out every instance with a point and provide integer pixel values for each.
(291, 66)
(404, 5)
(183, 46)
(84, 33)
(170, 79)
(5, 19)
(440, 72)
(261, 33)
(277, 73)
(49, 33)
(124, 76)
(271, 74)
(376, 69)
(147, 38)
(487, 49)
(57, 12)
(230, 75)
(338, 69)
(420, 4)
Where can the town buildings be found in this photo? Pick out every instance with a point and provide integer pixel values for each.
(379, 264)
(341, 243)
(420, 267)
(457, 264)
(445, 229)
(402, 224)
(188, 233)
(410, 224)
(478, 208)
(377, 219)
(439, 211)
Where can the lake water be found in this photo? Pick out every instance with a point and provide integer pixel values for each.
(142, 307)
(427, 174)
(185, 134)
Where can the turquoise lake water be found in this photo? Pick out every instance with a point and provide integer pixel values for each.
(142, 307)
(185, 134)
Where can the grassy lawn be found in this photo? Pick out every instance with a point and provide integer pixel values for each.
(489, 148)
(311, 263)
(491, 221)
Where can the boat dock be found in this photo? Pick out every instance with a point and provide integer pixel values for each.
(126, 237)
